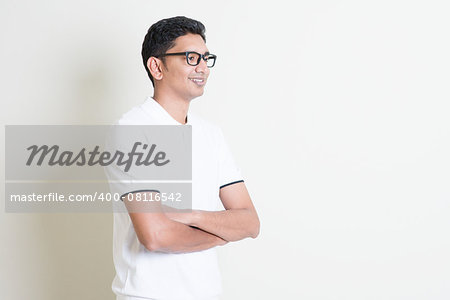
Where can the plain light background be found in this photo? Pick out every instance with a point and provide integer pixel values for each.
(336, 111)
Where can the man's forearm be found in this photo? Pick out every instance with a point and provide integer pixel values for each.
(230, 225)
(181, 238)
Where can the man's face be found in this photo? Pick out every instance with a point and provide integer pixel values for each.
(180, 79)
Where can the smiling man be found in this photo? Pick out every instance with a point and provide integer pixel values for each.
(169, 254)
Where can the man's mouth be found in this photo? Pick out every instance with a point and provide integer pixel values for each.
(198, 81)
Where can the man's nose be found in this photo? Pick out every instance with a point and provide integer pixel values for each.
(202, 67)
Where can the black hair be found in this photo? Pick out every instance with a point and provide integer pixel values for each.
(161, 36)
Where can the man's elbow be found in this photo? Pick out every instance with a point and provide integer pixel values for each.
(155, 242)
(159, 245)
(150, 243)
(152, 246)
(162, 240)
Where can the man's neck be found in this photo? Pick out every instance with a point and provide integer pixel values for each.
(177, 108)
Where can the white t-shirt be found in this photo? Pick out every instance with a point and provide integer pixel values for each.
(142, 274)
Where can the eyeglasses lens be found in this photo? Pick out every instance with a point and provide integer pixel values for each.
(193, 59)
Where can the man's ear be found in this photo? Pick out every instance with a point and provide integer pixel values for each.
(155, 67)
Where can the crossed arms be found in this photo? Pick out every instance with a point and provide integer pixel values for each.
(173, 231)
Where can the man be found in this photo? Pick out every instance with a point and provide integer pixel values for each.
(167, 254)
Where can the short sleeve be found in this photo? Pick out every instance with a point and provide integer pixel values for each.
(229, 172)
(121, 181)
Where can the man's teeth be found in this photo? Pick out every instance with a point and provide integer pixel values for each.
(197, 80)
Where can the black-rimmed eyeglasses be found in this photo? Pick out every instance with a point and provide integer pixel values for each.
(193, 58)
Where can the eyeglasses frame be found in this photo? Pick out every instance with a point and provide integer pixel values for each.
(186, 54)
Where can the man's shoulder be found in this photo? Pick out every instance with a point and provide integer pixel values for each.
(135, 116)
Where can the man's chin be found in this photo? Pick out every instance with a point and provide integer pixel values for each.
(198, 93)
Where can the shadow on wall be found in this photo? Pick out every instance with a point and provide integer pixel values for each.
(80, 264)
(79, 255)
(63, 256)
